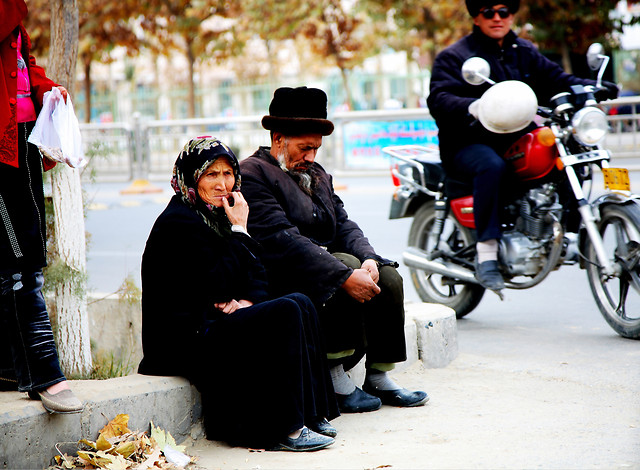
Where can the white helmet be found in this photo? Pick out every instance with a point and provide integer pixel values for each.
(508, 106)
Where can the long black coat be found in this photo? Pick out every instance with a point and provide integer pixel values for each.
(262, 369)
(450, 96)
(186, 268)
(299, 232)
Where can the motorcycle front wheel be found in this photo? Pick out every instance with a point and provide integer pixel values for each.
(618, 297)
(435, 288)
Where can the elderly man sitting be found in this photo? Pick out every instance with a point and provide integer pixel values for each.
(311, 246)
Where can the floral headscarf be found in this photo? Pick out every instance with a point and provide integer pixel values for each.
(194, 159)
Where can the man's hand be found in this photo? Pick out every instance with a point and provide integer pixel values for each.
(607, 91)
(232, 306)
(360, 285)
(371, 267)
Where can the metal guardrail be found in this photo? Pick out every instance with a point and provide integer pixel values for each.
(143, 149)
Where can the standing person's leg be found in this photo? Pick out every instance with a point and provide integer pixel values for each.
(35, 357)
(23, 243)
(8, 381)
(487, 169)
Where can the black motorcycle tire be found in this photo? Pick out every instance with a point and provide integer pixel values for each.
(461, 297)
(618, 225)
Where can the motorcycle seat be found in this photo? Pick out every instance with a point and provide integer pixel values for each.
(435, 176)
(433, 173)
(457, 188)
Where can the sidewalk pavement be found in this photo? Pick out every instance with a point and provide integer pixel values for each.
(510, 399)
(29, 435)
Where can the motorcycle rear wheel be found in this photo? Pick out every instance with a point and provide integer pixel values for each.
(435, 288)
(618, 297)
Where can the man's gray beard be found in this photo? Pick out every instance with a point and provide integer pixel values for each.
(303, 178)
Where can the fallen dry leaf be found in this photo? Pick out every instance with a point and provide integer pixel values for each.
(116, 427)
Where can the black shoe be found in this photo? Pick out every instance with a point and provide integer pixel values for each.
(322, 426)
(401, 397)
(489, 276)
(308, 440)
(357, 401)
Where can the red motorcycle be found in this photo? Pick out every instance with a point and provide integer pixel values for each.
(551, 219)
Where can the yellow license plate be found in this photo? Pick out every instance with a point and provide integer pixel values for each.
(616, 179)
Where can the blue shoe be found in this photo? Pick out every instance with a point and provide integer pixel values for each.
(322, 426)
(401, 397)
(357, 401)
(307, 441)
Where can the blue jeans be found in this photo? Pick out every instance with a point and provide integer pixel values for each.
(26, 327)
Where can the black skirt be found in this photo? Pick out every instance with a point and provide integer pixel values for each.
(263, 373)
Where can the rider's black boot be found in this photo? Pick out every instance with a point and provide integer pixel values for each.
(489, 276)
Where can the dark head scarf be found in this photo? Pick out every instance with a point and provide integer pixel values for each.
(194, 159)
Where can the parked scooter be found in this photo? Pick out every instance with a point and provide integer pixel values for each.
(550, 221)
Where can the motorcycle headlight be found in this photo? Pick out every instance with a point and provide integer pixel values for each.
(589, 126)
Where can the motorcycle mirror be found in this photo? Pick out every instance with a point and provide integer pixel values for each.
(476, 71)
(597, 60)
(595, 56)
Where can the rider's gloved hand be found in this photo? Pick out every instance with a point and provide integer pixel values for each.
(607, 91)
(473, 108)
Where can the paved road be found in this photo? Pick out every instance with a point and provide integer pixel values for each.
(541, 380)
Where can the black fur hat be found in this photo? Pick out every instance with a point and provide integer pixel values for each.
(474, 6)
(297, 111)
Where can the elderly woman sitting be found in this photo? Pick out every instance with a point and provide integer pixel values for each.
(259, 364)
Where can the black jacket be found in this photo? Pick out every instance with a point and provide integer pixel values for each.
(186, 268)
(450, 96)
(298, 232)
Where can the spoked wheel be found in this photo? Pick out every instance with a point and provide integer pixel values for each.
(436, 288)
(618, 295)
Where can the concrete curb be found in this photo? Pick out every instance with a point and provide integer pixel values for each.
(28, 434)
(431, 334)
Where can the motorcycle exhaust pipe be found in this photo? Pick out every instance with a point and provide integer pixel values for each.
(419, 259)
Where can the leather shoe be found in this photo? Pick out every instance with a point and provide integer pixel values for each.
(488, 275)
(357, 401)
(322, 426)
(401, 397)
(308, 440)
(63, 402)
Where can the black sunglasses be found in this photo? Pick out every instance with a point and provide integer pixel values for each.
(489, 13)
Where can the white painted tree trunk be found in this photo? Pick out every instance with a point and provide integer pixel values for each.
(73, 323)
(74, 346)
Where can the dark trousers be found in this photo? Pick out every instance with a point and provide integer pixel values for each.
(374, 328)
(483, 165)
(25, 327)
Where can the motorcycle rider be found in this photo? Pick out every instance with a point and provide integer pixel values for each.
(468, 150)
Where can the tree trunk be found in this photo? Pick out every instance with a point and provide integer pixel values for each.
(192, 87)
(566, 58)
(71, 305)
(347, 88)
(87, 89)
